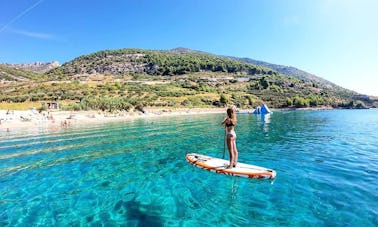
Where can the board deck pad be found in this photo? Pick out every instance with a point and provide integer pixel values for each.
(218, 165)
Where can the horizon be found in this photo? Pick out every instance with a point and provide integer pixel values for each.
(332, 39)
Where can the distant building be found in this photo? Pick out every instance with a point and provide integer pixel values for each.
(243, 79)
(50, 105)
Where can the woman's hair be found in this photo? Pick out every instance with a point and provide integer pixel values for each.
(231, 114)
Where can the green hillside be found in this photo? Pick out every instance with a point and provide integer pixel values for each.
(158, 63)
(126, 79)
(15, 74)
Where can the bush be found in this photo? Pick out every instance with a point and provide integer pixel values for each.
(301, 102)
(72, 107)
(289, 102)
(223, 100)
(360, 105)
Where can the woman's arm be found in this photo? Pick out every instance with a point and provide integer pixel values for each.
(234, 121)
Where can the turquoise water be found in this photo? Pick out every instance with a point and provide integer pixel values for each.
(134, 173)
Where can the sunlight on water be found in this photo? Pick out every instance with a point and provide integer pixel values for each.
(134, 172)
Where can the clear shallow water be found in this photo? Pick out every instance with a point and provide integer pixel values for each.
(134, 172)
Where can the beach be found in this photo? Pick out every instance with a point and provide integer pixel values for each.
(11, 120)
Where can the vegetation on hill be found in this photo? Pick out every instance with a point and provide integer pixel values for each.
(287, 70)
(158, 63)
(15, 74)
(36, 67)
(128, 79)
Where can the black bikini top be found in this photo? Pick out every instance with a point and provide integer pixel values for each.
(229, 124)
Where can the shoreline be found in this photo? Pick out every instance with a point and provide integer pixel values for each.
(13, 120)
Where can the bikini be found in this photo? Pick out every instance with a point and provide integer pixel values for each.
(231, 132)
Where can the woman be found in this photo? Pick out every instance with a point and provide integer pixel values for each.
(230, 122)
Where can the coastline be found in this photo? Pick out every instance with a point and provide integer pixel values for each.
(13, 120)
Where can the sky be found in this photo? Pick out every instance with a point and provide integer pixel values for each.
(333, 39)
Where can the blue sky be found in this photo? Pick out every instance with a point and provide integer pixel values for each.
(334, 39)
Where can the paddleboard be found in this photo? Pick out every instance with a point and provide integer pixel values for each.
(218, 165)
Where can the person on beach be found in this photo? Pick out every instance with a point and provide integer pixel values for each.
(229, 122)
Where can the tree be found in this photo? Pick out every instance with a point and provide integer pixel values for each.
(360, 105)
(289, 102)
(264, 82)
(301, 102)
(223, 100)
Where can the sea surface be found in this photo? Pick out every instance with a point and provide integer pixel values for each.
(134, 172)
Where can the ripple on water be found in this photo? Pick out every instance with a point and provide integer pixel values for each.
(135, 173)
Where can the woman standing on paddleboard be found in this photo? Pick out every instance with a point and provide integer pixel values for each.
(230, 122)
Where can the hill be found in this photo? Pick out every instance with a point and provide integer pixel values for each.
(25, 71)
(36, 67)
(134, 78)
(287, 70)
(157, 63)
(8, 73)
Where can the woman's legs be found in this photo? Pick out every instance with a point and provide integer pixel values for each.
(234, 151)
(230, 150)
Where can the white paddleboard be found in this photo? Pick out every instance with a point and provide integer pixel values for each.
(218, 165)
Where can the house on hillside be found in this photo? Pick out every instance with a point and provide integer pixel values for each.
(50, 105)
(243, 79)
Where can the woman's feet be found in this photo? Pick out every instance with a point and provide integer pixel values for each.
(231, 166)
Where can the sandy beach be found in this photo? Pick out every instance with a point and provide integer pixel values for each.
(11, 120)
